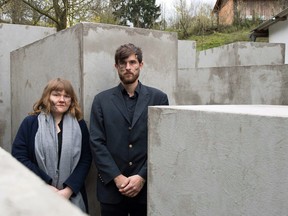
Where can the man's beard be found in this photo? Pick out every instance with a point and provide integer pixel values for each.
(129, 80)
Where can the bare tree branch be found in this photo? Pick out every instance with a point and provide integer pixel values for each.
(3, 2)
(40, 11)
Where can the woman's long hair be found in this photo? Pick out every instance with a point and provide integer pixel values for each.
(44, 103)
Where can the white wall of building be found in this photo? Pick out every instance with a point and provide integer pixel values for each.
(278, 33)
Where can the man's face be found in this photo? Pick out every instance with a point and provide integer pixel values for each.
(129, 69)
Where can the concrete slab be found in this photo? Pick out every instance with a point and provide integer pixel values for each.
(233, 85)
(218, 160)
(186, 54)
(12, 37)
(23, 193)
(242, 54)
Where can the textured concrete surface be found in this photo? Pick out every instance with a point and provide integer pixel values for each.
(24, 194)
(13, 37)
(218, 160)
(186, 54)
(242, 54)
(233, 85)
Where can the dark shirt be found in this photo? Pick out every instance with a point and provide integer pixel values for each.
(60, 141)
(130, 102)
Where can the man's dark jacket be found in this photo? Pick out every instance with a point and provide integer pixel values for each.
(118, 145)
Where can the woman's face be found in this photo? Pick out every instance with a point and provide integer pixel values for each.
(60, 102)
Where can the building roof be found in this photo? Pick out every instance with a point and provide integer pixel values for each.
(262, 30)
(217, 6)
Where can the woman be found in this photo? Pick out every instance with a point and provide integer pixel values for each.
(53, 142)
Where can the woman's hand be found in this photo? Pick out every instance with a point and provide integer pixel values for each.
(66, 192)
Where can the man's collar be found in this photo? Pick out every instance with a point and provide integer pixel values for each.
(137, 90)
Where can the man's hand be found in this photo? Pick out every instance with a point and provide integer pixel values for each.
(134, 186)
(121, 181)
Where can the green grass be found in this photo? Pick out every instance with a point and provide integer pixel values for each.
(217, 39)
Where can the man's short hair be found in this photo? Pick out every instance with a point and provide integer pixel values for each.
(124, 51)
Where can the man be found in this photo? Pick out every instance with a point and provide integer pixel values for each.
(118, 137)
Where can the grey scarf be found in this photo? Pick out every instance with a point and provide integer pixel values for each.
(46, 150)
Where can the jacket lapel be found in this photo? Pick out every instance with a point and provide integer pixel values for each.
(142, 103)
(119, 102)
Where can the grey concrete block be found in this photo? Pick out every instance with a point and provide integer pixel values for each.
(12, 37)
(218, 160)
(23, 193)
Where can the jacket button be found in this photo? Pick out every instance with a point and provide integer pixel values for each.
(130, 163)
(129, 128)
(130, 145)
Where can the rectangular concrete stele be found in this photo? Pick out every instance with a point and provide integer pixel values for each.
(186, 54)
(218, 160)
(242, 54)
(23, 193)
(12, 37)
(265, 84)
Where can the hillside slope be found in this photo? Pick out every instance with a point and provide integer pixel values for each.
(216, 39)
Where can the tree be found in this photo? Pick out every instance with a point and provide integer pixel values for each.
(185, 18)
(14, 11)
(55, 11)
(58, 11)
(104, 15)
(141, 13)
(193, 18)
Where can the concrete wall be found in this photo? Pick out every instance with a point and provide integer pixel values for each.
(218, 160)
(23, 193)
(242, 54)
(12, 37)
(32, 66)
(278, 33)
(265, 84)
(84, 54)
(186, 54)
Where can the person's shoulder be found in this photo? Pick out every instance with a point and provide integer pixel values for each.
(82, 122)
(153, 90)
(106, 92)
(83, 126)
(30, 118)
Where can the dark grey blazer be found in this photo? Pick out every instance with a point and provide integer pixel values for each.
(118, 145)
